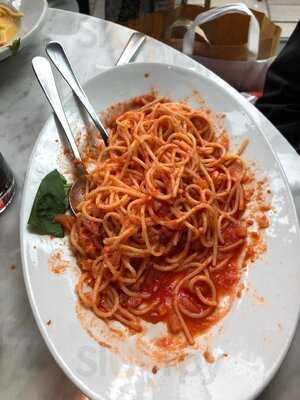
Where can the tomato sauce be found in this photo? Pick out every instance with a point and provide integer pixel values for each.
(160, 287)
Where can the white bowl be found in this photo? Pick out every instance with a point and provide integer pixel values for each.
(257, 331)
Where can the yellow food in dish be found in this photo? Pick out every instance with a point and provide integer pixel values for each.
(9, 24)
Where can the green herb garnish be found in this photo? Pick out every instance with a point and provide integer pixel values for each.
(51, 199)
(14, 47)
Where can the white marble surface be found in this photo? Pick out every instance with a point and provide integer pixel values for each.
(27, 370)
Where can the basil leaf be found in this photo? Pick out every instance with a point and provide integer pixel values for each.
(14, 47)
(51, 199)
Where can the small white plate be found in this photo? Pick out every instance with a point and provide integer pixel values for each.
(34, 13)
(257, 331)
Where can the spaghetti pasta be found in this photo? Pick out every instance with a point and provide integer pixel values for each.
(159, 235)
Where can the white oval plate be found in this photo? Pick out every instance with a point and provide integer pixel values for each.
(34, 13)
(257, 331)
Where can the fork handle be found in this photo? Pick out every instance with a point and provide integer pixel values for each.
(58, 56)
(44, 74)
(132, 47)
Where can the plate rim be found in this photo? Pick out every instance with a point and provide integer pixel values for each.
(248, 107)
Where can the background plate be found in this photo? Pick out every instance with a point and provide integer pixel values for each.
(34, 13)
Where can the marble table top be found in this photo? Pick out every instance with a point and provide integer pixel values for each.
(27, 369)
